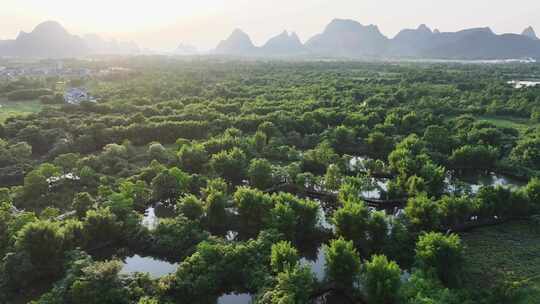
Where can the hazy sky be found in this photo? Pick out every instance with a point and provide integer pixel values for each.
(163, 24)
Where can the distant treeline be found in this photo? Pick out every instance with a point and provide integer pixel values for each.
(28, 94)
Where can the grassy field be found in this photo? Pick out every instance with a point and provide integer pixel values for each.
(12, 108)
(509, 251)
(521, 124)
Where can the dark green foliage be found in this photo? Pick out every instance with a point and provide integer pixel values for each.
(246, 156)
(342, 263)
(382, 279)
(191, 207)
(260, 174)
(441, 254)
(284, 257)
(230, 165)
(28, 94)
(177, 238)
(253, 209)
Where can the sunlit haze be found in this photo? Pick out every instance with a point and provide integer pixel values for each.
(163, 24)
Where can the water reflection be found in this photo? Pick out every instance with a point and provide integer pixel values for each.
(518, 84)
(471, 183)
(317, 265)
(243, 298)
(150, 220)
(154, 213)
(156, 268)
(324, 221)
(379, 188)
(332, 298)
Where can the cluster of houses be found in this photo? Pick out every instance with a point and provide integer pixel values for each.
(14, 73)
(75, 96)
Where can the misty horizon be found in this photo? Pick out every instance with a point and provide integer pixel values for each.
(259, 43)
(163, 26)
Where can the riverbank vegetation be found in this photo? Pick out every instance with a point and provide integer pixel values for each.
(279, 182)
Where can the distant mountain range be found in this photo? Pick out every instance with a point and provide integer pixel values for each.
(340, 39)
(50, 40)
(186, 49)
(350, 39)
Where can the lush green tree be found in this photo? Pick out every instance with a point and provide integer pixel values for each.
(253, 208)
(423, 212)
(442, 254)
(138, 191)
(284, 256)
(100, 227)
(158, 152)
(342, 263)
(342, 139)
(533, 192)
(284, 219)
(33, 191)
(89, 282)
(415, 168)
(259, 141)
(527, 153)
(177, 238)
(424, 288)
(82, 202)
(379, 145)
(72, 231)
(193, 157)
(294, 285)
(216, 204)
(296, 218)
(269, 129)
(332, 179)
(120, 204)
(382, 280)
(169, 184)
(260, 174)
(317, 160)
(494, 201)
(68, 162)
(474, 157)
(191, 207)
(38, 255)
(438, 139)
(231, 165)
(351, 222)
(377, 230)
(456, 210)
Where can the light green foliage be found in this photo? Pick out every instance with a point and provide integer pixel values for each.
(332, 179)
(158, 152)
(193, 157)
(284, 257)
(191, 207)
(177, 237)
(423, 212)
(296, 218)
(100, 226)
(253, 208)
(216, 202)
(169, 184)
(409, 160)
(294, 285)
(351, 222)
(82, 202)
(382, 279)
(342, 263)
(260, 174)
(230, 165)
(441, 254)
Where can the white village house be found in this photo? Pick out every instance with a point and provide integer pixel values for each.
(77, 95)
